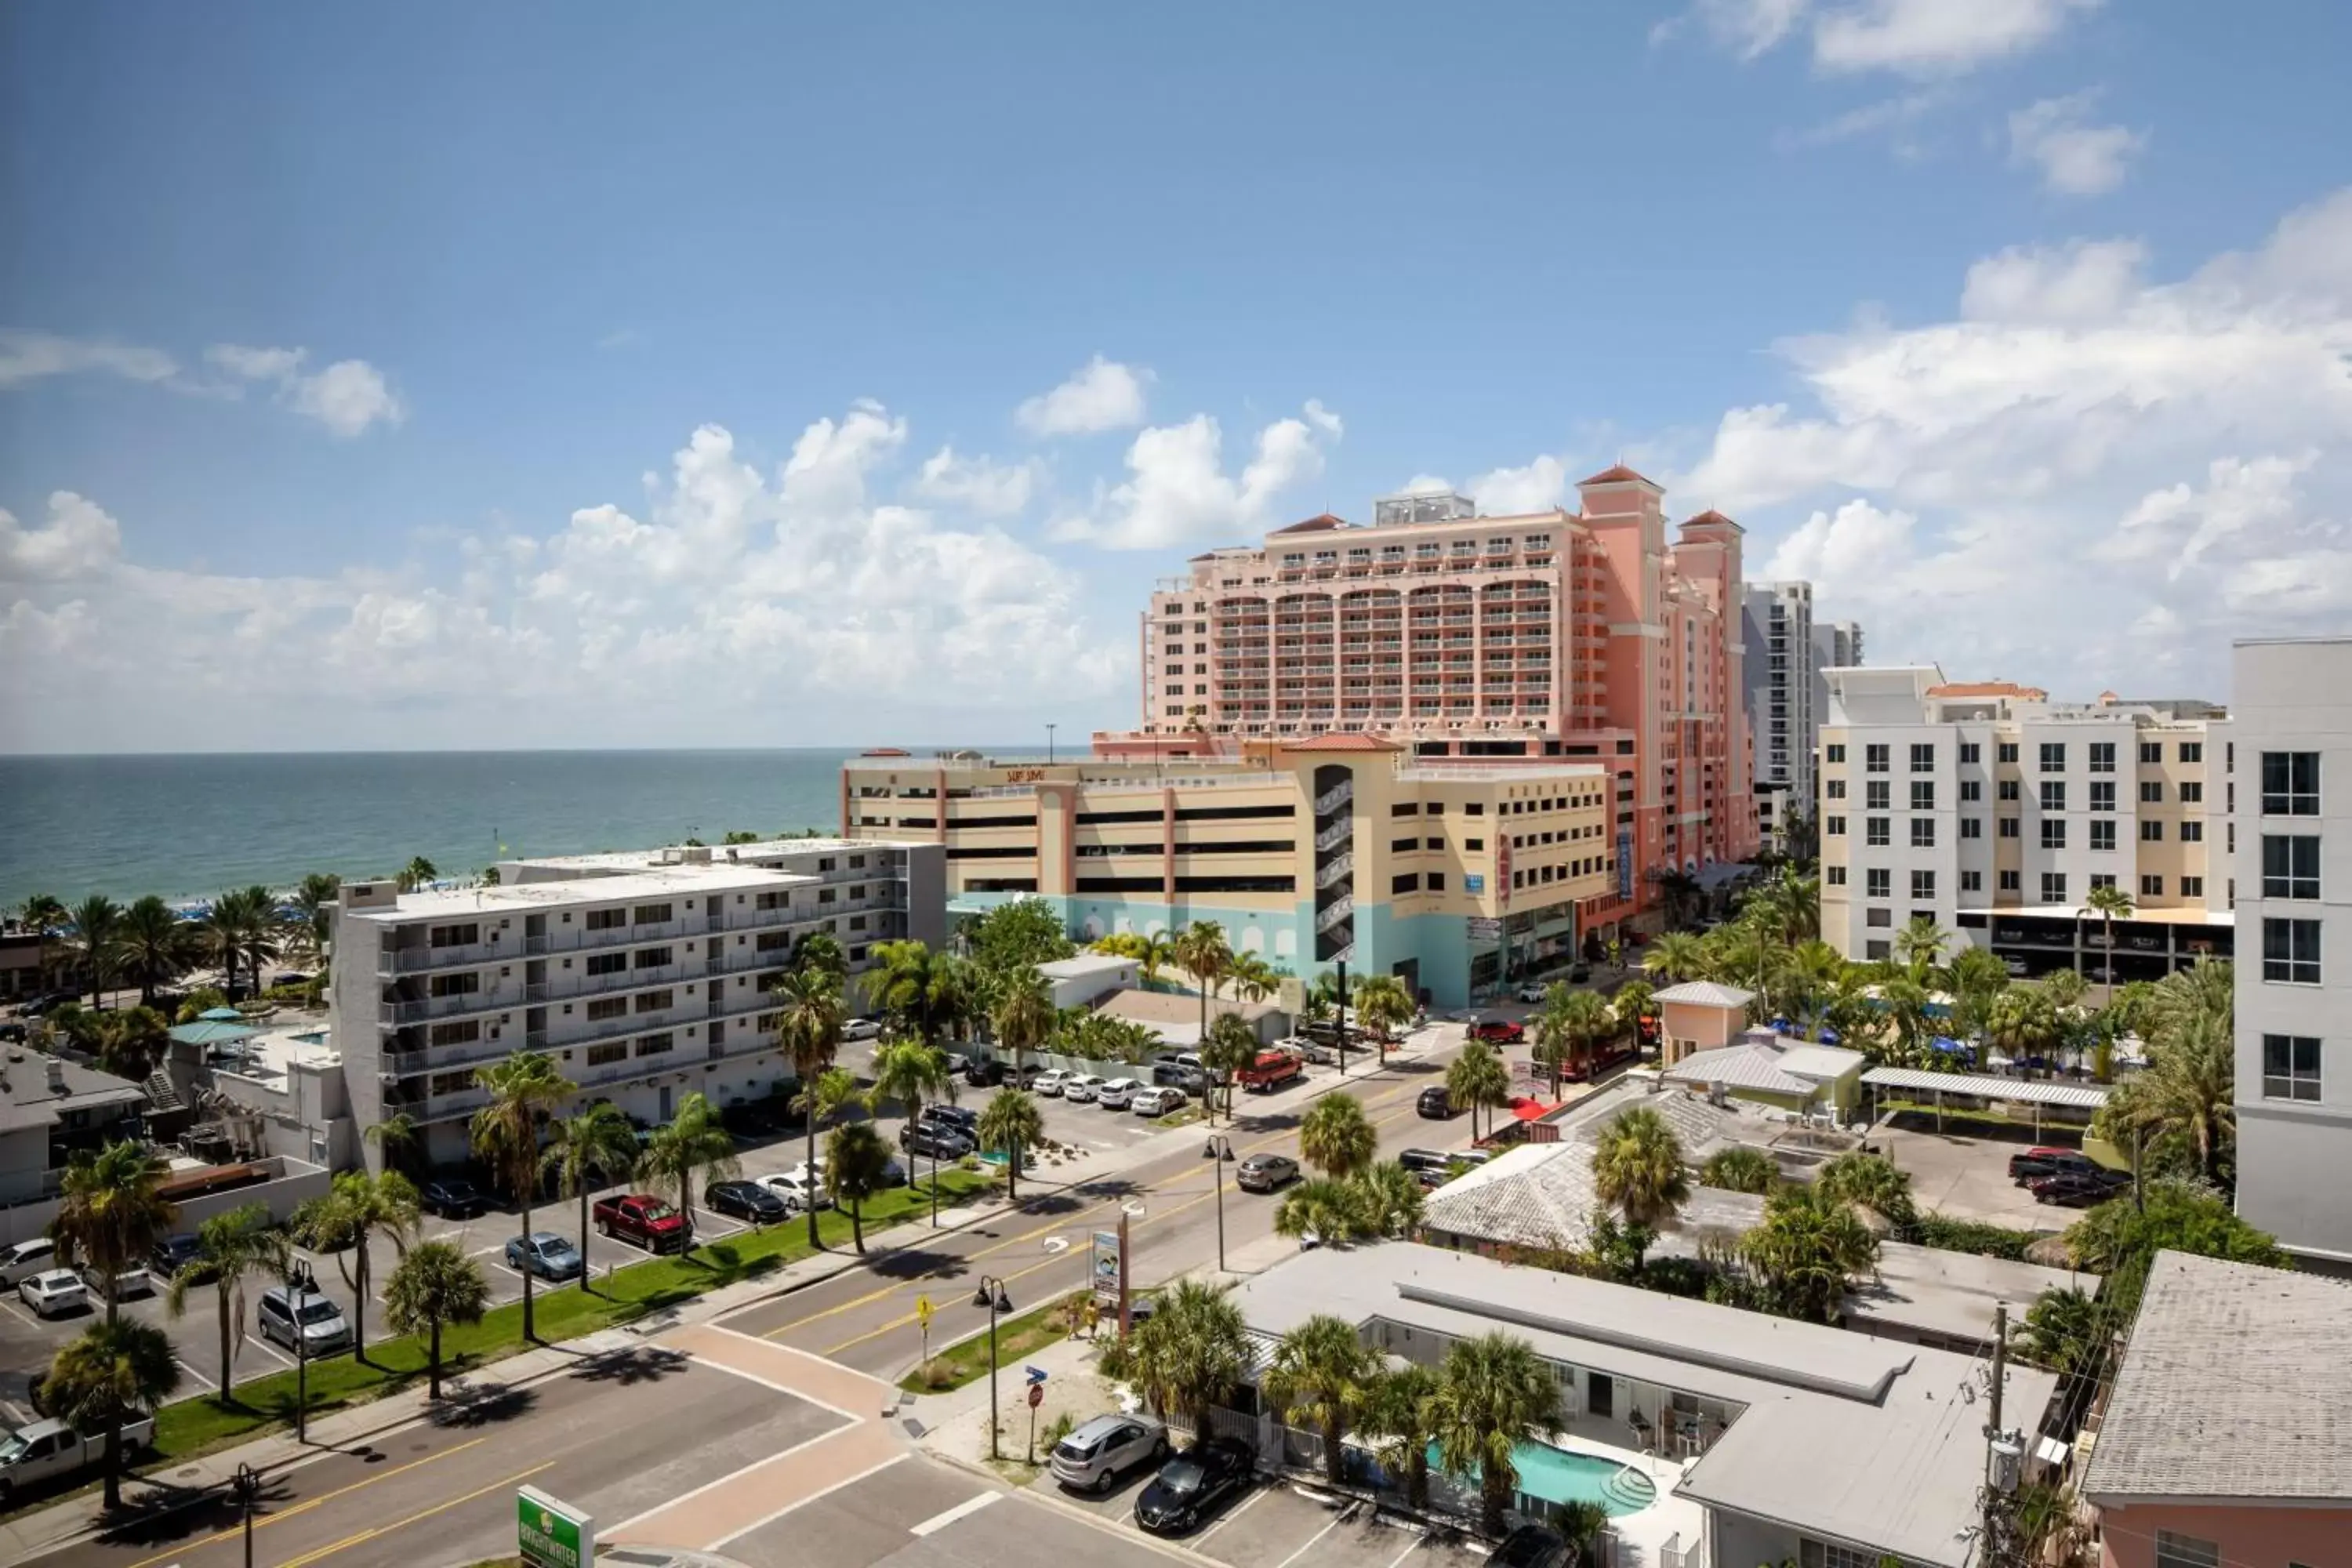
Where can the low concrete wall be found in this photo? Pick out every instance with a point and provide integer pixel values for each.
(297, 1181)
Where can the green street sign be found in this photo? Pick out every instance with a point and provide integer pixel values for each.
(552, 1534)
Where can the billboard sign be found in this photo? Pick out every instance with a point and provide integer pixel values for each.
(1103, 1266)
(1624, 862)
(1485, 929)
(552, 1534)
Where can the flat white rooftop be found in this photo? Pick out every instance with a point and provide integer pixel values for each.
(667, 881)
(675, 854)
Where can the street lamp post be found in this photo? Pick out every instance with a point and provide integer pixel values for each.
(1049, 740)
(247, 1485)
(1221, 1150)
(299, 1286)
(991, 1298)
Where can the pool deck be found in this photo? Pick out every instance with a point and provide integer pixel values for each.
(1640, 1535)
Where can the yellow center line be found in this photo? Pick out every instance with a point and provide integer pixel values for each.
(370, 1534)
(1021, 1273)
(263, 1520)
(1063, 1222)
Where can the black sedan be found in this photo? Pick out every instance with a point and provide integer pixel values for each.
(173, 1254)
(452, 1198)
(1194, 1485)
(1265, 1172)
(2077, 1189)
(745, 1200)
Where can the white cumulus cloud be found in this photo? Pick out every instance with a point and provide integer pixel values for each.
(1913, 38)
(1178, 491)
(1101, 394)
(347, 396)
(982, 483)
(28, 356)
(78, 541)
(2076, 158)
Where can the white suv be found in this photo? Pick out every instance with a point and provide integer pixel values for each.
(1093, 1456)
(1049, 1083)
(1080, 1088)
(1118, 1094)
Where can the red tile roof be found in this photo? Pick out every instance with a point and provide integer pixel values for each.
(1709, 515)
(1314, 524)
(1615, 473)
(1338, 741)
(1989, 689)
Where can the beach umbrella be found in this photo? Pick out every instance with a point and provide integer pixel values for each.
(1947, 1045)
(1829, 1036)
(1780, 1025)
(221, 1016)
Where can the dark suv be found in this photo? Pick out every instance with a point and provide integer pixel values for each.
(1433, 1103)
(2044, 1160)
(452, 1197)
(934, 1141)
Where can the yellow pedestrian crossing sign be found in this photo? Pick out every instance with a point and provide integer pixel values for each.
(923, 1311)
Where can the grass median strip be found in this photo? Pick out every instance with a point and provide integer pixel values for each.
(1015, 1337)
(196, 1426)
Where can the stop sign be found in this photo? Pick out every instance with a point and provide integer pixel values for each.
(1037, 1394)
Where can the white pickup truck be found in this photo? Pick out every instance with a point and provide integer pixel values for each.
(46, 1452)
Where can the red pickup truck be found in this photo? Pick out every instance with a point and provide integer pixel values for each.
(1498, 1031)
(642, 1219)
(1271, 1070)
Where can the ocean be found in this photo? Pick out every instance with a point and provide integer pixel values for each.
(189, 827)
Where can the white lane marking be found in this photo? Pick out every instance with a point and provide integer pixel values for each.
(1311, 1540)
(1236, 1513)
(268, 1349)
(11, 1310)
(871, 1470)
(730, 1476)
(768, 1345)
(963, 1510)
(1410, 1547)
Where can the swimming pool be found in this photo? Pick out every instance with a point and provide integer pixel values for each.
(1558, 1476)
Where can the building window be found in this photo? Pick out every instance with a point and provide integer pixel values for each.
(2006, 753)
(2151, 752)
(1878, 882)
(2151, 831)
(2152, 791)
(1971, 789)
(611, 1051)
(1923, 759)
(2103, 795)
(2053, 756)
(1923, 833)
(2009, 881)
(2290, 783)
(2291, 952)
(1922, 884)
(2289, 866)
(1834, 826)
(2009, 790)
(1437, 881)
(2103, 834)
(2289, 1066)
(2102, 879)
(2192, 887)
(2103, 757)
(1834, 789)
(2008, 827)
(1811, 1554)
(1834, 876)
(1875, 758)
(1409, 882)
(2054, 794)
(1972, 827)
(2192, 832)
(1875, 831)
(2192, 751)
(1878, 795)
(1881, 918)
(2151, 887)
(1923, 794)
(1835, 751)
(1970, 753)
(2053, 833)
(2054, 887)
(2193, 794)
(2174, 1550)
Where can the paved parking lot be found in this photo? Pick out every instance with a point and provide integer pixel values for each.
(1965, 1176)
(1277, 1526)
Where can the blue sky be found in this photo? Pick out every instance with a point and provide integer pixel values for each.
(604, 374)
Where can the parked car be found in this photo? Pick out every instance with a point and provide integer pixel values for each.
(452, 1197)
(745, 1200)
(1434, 1104)
(751, 1119)
(1080, 1089)
(26, 1259)
(1532, 1546)
(132, 1282)
(1594, 1066)
(1309, 1048)
(1530, 992)
(1425, 1159)
(1498, 1031)
(1118, 1094)
(1182, 1070)
(641, 1219)
(2077, 1189)
(1194, 1485)
(1265, 1172)
(934, 1141)
(173, 1254)
(1049, 1083)
(1272, 1070)
(798, 1192)
(47, 1452)
(53, 1291)
(324, 1330)
(983, 1072)
(547, 1255)
(862, 1030)
(1093, 1457)
(958, 1118)
(1157, 1102)
(2044, 1159)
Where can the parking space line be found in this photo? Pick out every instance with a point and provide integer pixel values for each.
(1252, 1501)
(1410, 1547)
(268, 1349)
(1311, 1540)
(963, 1510)
(14, 1312)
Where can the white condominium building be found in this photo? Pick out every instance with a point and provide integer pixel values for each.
(2292, 730)
(1994, 812)
(645, 975)
(1785, 697)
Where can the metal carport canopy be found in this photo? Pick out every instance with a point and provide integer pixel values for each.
(1990, 1086)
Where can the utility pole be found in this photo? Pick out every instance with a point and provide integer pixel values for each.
(1993, 1428)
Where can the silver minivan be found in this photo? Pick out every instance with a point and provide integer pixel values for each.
(1093, 1457)
(324, 1331)
(26, 1259)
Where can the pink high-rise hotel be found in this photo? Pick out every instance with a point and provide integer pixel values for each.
(1585, 636)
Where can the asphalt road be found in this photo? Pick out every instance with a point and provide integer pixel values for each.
(868, 1318)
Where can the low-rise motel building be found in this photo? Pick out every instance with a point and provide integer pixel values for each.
(1456, 874)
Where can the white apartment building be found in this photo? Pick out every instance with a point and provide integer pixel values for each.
(1995, 812)
(645, 975)
(2292, 732)
(1777, 625)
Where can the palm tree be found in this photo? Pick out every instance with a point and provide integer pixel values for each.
(316, 897)
(1570, 1025)
(820, 952)
(1681, 893)
(111, 1214)
(2063, 1332)
(97, 936)
(1337, 1138)
(44, 915)
(2188, 1092)
(1011, 1122)
(809, 1030)
(229, 1248)
(1808, 1250)
(1637, 1170)
(1384, 1006)
(524, 1089)
(346, 1217)
(1320, 1372)
(1870, 1181)
(435, 1285)
(1323, 1209)
(154, 946)
(2207, 987)
(396, 1134)
(1191, 1352)
(1750, 953)
(1393, 1198)
(1631, 1002)
(2022, 1021)
(1231, 1046)
(1808, 979)
(693, 1140)
(1919, 945)
(1740, 1170)
(1978, 980)
(256, 940)
(1674, 957)
(417, 873)
(821, 1103)
(586, 1150)
(1399, 1404)
(130, 1040)
(2110, 903)
(917, 988)
(1023, 1016)
(1477, 1078)
(2064, 988)
(1254, 979)
(857, 1167)
(112, 1373)
(1202, 949)
(1495, 1395)
(1154, 955)
(908, 1072)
